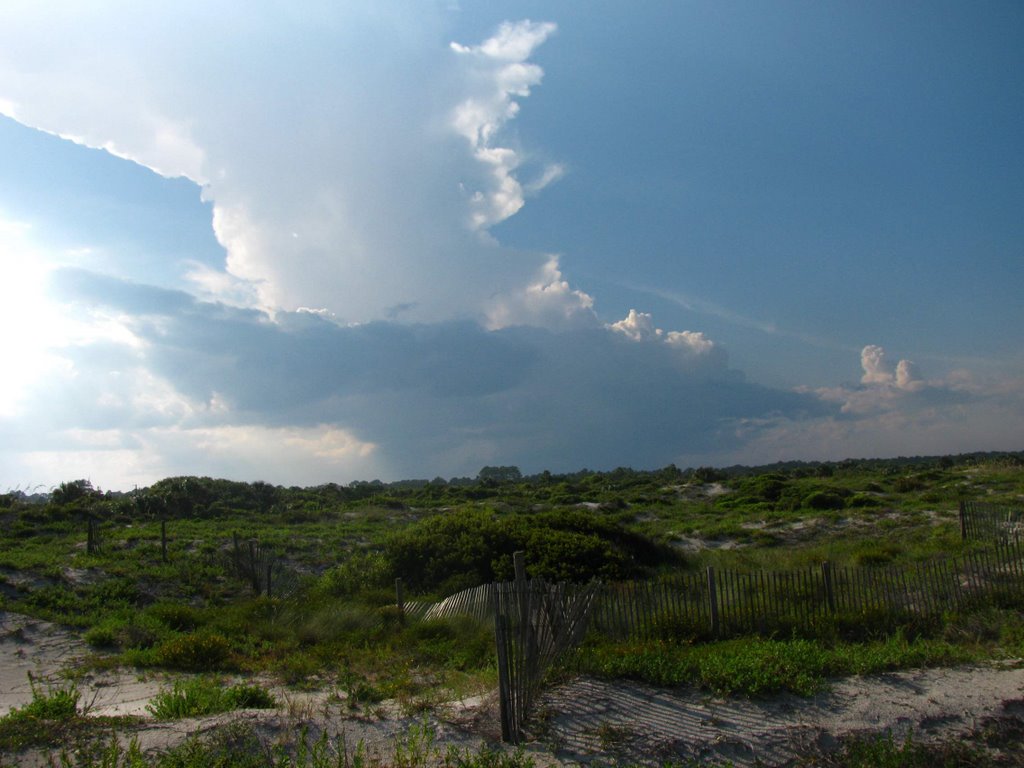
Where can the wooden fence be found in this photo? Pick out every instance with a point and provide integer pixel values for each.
(724, 603)
(259, 566)
(980, 521)
(535, 621)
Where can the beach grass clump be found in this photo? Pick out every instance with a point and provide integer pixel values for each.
(201, 696)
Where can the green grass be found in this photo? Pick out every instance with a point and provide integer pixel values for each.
(887, 751)
(51, 718)
(207, 696)
(758, 666)
(192, 614)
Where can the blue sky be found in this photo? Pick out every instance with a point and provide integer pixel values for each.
(342, 241)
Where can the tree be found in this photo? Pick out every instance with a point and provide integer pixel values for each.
(73, 490)
(499, 474)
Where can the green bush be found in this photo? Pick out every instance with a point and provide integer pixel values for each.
(177, 616)
(461, 643)
(883, 751)
(201, 652)
(756, 666)
(54, 704)
(764, 488)
(470, 547)
(34, 724)
(861, 500)
(204, 696)
(824, 500)
(361, 571)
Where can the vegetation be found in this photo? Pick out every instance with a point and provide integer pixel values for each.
(160, 581)
(53, 716)
(205, 696)
(757, 666)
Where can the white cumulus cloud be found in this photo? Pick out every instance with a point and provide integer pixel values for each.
(639, 326)
(549, 301)
(501, 75)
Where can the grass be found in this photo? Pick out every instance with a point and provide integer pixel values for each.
(758, 666)
(239, 745)
(207, 696)
(53, 716)
(996, 742)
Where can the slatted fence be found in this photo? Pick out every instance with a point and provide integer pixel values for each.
(728, 603)
(535, 621)
(981, 521)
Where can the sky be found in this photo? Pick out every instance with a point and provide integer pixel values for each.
(344, 240)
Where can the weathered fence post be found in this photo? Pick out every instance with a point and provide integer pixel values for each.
(830, 595)
(713, 598)
(519, 564)
(254, 573)
(963, 520)
(163, 541)
(504, 689)
(270, 567)
(528, 648)
(400, 601)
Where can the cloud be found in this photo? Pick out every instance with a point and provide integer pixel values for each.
(549, 301)
(354, 171)
(501, 74)
(639, 327)
(408, 399)
(889, 414)
(116, 460)
(877, 371)
(353, 159)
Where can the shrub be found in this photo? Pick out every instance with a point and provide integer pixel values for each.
(177, 616)
(54, 704)
(907, 484)
(471, 547)
(205, 696)
(764, 487)
(361, 571)
(824, 500)
(454, 643)
(34, 723)
(203, 652)
(861, 500)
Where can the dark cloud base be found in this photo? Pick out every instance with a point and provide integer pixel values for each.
(441, 398)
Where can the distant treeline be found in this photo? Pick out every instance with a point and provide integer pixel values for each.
(185, 496)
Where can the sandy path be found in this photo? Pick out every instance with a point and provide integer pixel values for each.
(35, 650)
(588, 717)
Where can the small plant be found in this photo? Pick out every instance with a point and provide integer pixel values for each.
(613, 737)
(33, 723)
(486, 757)
(205, 696)
(417, 748)
(884, 751)
(112, 755)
